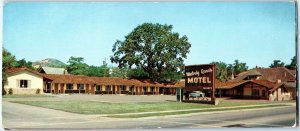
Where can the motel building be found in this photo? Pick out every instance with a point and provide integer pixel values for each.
(273, 84)
(58, 81)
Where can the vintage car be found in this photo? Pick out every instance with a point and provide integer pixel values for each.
(196, 94)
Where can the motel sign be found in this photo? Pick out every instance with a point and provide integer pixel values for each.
(200, 77)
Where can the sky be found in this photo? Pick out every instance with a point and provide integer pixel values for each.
(252, 32)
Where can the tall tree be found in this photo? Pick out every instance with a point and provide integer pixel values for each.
(105, 69)
(277, 63)
(238, 67)
(293, 64)
(153, 47)
(119, 72)
(24, 63)
(223, 71)
(76, 65)
(8, 61)
(137, 73)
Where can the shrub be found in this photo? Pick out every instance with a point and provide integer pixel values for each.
(38, 91)
(3, 91)
(10, 91)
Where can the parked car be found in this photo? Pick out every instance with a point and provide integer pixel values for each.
(196, 94)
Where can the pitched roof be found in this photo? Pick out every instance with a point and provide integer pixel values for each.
(180, 83)
(293, 72)
(17, 70)
(228, 85)
(52, 70)
(232, 84)
(271, 74)
(69, 78)
(245, 74)
(108, 81)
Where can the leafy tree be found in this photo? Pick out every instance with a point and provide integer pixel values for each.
(92, 71)
(137, 73)
(238, 67)
(119, 72)
(95, 71)
(76, 66)
(8, 61)
(154, 48)
(24, 63)
(223, 71)
(105, 69)
(277, 63)
(293, 64)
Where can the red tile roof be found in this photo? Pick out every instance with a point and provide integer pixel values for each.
(271, 74)
(16, 70)
(59, 78)
(232, 84)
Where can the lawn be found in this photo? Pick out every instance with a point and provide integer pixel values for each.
(187, 112)
(92, 107)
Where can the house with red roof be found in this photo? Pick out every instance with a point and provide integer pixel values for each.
(27, 81)
(274, 84)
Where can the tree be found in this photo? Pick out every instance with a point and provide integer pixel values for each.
(93, 71)
(76, 66)
(8, 61)
(154, 48)
(293, 64)
(238, 67)
(105, 69)
(137, 73)
(119, 72)
(24, 63)
(223, 71)
(277, 63)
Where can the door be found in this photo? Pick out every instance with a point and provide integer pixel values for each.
(56, 88)
(92, 91)
(87, 88)
(114, 90)
(62, 88)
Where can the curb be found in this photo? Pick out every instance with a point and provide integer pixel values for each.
(170, 111)
(199, 113)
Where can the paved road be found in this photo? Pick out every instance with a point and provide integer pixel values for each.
(24, 116)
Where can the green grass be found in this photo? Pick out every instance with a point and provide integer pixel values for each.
(25, 96)
(92, 107)
(186, 112)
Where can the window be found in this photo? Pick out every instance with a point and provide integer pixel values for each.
(80, 86)
(48, 86)
(108, 88)
(152, 89)
(99, 88)
(255, 92)
(123, 88)
(69, 86)
(23, 83)
(264, 93)
(131, 89)
(145, 89)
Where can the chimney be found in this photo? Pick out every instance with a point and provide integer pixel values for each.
(278, 81)
(285, 74)
(232, 76)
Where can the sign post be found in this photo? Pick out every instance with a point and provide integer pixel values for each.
(214, 83)
(201, 78)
